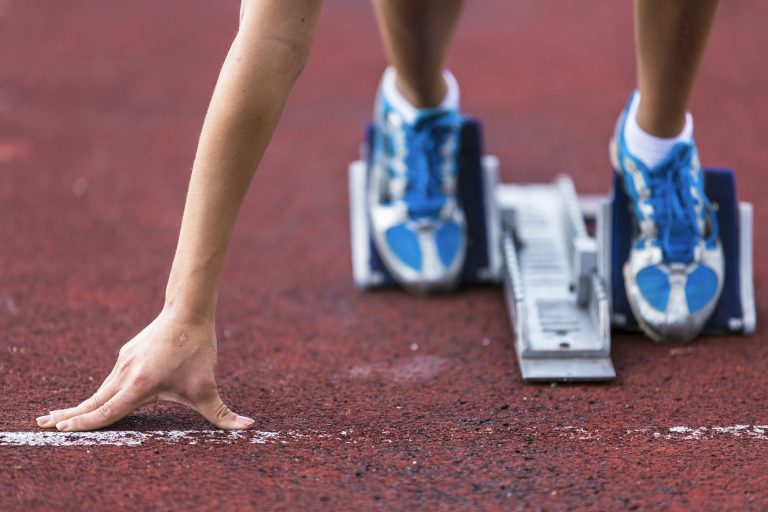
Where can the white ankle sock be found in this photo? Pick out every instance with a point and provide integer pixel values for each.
(651, 150)
(404, 107)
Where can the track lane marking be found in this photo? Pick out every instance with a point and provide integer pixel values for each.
(137, 438)
(676, 433)
(194, 437)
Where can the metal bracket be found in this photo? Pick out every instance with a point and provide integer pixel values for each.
(556, 300)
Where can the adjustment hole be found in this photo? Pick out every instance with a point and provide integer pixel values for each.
(565, 344)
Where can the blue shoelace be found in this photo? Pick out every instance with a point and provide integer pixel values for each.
(424, 194)
(675, 207)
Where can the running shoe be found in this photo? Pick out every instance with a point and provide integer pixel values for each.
(674, 273)
(418, 225)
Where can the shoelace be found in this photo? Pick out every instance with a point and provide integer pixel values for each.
(424, 194)
(675, 208)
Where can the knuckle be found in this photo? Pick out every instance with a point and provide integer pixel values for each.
(90, 403)
(139, 380)
(203, 390)
(124, 367)
(222, 411)
(125, 351)
(105, 410)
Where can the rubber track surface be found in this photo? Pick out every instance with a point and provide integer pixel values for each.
(364, 401)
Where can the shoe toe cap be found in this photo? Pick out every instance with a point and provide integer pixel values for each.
(701, 288)
(427, 257)
(404, 245)
(449, 241)
(675, 305)
(654, 286)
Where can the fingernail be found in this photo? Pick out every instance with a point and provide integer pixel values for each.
(245, 421)
(42, 420)
(63, 425)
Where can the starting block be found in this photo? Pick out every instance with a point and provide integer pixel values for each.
(556, 300)
(563, 286)
(735, 310)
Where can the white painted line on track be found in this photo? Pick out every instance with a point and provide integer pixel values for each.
(677, 433)
(136, 438)
(224, 437)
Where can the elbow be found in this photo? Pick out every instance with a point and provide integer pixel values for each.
(291, 52)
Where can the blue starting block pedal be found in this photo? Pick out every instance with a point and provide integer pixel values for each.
(563, 286)
(735, 311)
(477, 179)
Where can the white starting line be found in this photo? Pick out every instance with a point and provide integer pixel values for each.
(136, 438)
(223, 437)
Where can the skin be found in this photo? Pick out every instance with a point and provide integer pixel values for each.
(670, 40)
(174, 357)
(416, 35)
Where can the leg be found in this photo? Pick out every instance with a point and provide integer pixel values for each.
(674, 273)
(417, 222)
(416, 34)
(671, 37)
(175, 356)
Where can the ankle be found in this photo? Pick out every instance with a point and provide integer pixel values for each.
(425, 94)
(407, 101)
(659, 118)
(661, 126)
(650, 147)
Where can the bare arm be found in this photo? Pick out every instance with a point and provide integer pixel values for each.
(174, 357)
(261, 67)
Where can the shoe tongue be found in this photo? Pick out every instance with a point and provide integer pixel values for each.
(679, 156)
(681, 250)
(428, 115)
(427, 203)
(681, 240)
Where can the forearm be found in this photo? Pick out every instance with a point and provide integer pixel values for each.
(263, 63)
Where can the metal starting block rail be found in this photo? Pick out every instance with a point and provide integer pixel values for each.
(556, 300)
(563, 287)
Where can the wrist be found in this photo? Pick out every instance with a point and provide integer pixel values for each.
(189, 305)
(189, 313)
(192, 292)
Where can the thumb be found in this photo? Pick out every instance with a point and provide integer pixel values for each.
(213, 409)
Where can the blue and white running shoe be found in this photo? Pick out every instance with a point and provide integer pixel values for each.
(674, 274)
(417, 223)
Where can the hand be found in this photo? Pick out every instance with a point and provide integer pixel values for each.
(169, 360)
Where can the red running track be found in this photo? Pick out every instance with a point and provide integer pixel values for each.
(365, 401)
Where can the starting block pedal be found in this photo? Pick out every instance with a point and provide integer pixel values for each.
(735, 310)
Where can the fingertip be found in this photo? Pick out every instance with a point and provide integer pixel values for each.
(43, 421)
(63, 426)
(245, 421)
(236, 423)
